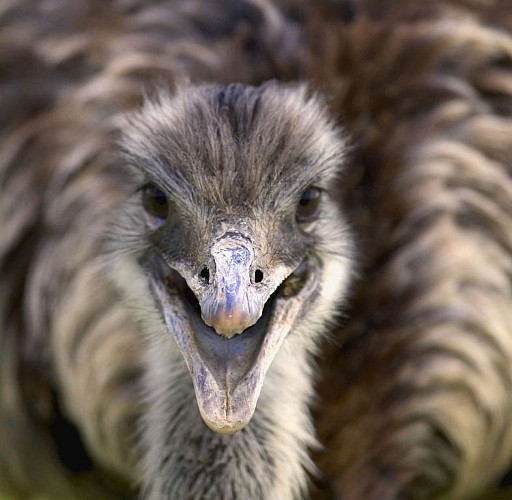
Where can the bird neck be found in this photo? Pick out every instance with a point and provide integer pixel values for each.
(267, 459)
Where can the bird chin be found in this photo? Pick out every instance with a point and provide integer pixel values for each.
(228, 373)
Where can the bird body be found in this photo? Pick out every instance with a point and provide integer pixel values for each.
(175, 249)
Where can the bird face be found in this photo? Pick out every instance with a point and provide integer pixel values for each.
(236, 219)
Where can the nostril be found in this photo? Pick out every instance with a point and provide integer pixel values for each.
(205, 274)
(258, 276)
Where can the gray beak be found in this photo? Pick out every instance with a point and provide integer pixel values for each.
(230, 346)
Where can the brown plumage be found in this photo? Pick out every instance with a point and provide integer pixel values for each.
(412, 392)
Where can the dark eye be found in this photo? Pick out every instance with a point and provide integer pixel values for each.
(155, 202)
(309, 205)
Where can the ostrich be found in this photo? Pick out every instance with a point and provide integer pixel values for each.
(233, 245)
(174, 268)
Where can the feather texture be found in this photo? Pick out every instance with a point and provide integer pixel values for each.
(412, 395)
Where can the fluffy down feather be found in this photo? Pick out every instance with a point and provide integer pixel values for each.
(413, 396)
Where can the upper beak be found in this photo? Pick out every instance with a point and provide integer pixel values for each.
(232, 302)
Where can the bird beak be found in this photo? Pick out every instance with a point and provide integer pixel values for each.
(242, 324)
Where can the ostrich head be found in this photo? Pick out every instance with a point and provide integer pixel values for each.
(235, 237)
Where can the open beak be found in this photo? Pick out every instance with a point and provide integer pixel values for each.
(230, 329)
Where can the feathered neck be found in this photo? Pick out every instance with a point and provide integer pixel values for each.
(267, 459)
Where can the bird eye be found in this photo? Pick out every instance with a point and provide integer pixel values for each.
(155, 202)
(309, 205)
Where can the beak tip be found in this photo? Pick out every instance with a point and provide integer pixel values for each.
(225, 428)
(226, 417)
(229, 323)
